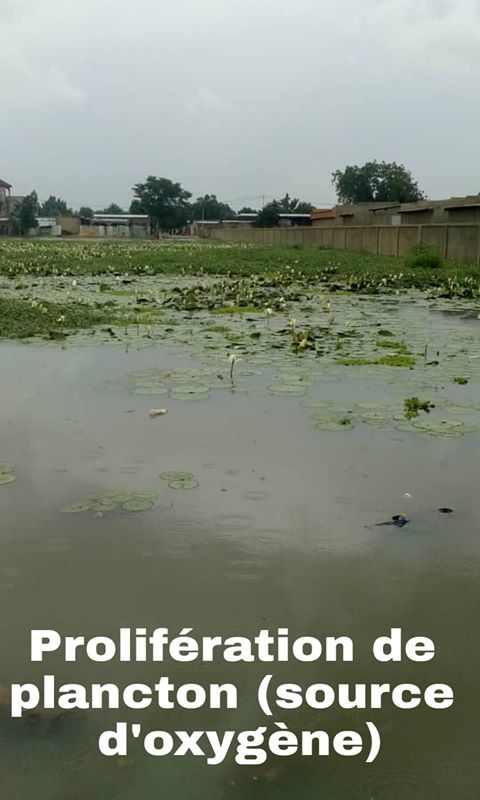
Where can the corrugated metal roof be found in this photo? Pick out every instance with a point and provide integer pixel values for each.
(5, 185)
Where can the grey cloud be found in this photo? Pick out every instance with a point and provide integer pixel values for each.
(240, 98)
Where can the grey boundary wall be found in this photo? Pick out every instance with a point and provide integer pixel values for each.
(457, 242)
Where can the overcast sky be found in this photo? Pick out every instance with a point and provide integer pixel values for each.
(241, 98)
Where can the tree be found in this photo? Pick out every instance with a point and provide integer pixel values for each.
(376, 182)
(269, 216)
(165, 202)
(54, 207)
(24, 215)
(291, 205)
(208, 207)
(248, 210)
(86, 212)
(113, 208)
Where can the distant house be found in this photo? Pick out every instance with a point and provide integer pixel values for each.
(4, 206)
(134, 226)
(7, 205)
(323, 217)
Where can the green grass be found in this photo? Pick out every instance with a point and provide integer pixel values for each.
(20, 319)
(339, 269)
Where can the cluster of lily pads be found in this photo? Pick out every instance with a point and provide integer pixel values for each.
(343, 417)
(123, 500)
(112, 500)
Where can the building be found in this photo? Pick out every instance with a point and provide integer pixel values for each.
(7, 205)
(323, 217)
(425, 212)
(4, 213)
(133, 226)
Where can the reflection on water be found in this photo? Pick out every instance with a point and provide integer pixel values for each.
(281, 532)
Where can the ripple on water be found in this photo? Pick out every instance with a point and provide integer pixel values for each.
(255, 495)
(243, 570)
(265, 541)
(234, 522)
(393, 786)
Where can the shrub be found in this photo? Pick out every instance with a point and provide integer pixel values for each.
(422, 257)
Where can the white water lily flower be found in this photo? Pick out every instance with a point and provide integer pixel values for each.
(269, 311)
(74, 283)
(61, 318)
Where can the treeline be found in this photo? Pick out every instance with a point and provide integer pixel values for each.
(170, 206)
(166, 202)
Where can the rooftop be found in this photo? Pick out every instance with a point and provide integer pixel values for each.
(323, 213)
(5, 185)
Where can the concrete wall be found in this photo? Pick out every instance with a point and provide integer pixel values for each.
(458, 242)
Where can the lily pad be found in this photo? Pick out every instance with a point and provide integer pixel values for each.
(185, 483)
(344, 424)
(150, 390)
(190, 392)
(180, 480)
(138, 504)
(288, 389)
(176, 476)
(7, 474)
(77, 508)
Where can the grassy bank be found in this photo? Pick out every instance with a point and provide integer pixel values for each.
(337, 269)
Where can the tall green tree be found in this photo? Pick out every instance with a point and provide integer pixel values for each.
(269, 215)
(113, 208)
(86, 212)
(208, 207)
(248, 210)
(54, 207)
(24, 215)
(376, 182)
(292, 205)
(166, 202)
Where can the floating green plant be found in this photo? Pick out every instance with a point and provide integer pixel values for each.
(413, 405)
(7, 474)
(180, 480)
(461, 381)
(113, 499)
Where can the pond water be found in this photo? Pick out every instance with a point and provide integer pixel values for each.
(281, 531)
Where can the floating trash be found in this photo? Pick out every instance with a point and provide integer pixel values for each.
(398, 521)
(157, 412)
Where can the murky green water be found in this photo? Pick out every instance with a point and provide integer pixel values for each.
(280, 532)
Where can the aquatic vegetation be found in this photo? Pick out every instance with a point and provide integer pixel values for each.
(461, 381)
(180, 480)
(423, 258)
(7, 474)
(397, 360)
(438, 429)
(413, 406)
(112, 500)
(21, 319)
(338, 270)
